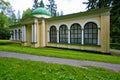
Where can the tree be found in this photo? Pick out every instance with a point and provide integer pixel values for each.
(52, 7)
(115, 21)
(97, 4)
(12, 19)
(3, 20)
(26, 13)
(91, 4)
(4, 33)
(103, 3)
(36, 4)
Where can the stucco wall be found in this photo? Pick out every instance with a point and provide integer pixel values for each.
(102, 21)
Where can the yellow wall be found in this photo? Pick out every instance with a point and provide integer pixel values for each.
(102, 20)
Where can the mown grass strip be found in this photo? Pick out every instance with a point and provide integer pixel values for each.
(16, 69)
(61, 53)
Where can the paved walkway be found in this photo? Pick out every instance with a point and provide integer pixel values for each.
(115, 52)
(114, 67)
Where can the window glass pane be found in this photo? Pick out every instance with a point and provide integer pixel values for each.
(94, 41)
(90, 30)
(94, 30)
(75, 33)
(86, 41)
(95, 35)
(86, 31)
(86, 35)
(90, 41)
(53, 34)
(90, 33)
(63, 34)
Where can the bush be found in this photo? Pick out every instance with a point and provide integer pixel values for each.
(4, 33)
(115, 46)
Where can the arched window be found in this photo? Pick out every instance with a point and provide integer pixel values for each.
(63, 34)
(75, 34)
(53, 34)
(91, 34)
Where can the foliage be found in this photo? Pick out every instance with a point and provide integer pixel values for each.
(26, 13)
(4, 33)
(61, 53)
(16, 69)
(12, 19)
(8, 12)
(3, 6)
(3, 20)
(97, 4)
(115, 22)
(36, 4)
(52, 7)
(115, 45)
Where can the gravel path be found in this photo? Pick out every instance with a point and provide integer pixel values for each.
(114, 67)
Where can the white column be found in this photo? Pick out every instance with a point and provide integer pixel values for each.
(24, 33)
(68, 36)
(35, 33)
(57, 36)
(48, 36)
(43, 33)
(82, 36)
(99, 36)
(32, 32)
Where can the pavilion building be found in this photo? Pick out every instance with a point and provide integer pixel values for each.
(88, 30)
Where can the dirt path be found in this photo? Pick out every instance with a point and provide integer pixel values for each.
(114, 67)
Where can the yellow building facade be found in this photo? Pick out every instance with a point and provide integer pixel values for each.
(88, 30)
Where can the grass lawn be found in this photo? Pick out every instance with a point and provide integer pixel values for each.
(16, 69)
(61, 53)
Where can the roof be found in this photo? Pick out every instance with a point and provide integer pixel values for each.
(41, 11)
(81, 14)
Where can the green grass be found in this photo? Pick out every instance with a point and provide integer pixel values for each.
(61, 53)
(16, 69)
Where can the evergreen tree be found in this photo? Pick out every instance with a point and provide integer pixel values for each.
(115, 21)
(91, 4)
(36, 4)
(97, 4)
(52, 7)
(103, 3)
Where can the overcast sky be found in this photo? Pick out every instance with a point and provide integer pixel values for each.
(67, 6)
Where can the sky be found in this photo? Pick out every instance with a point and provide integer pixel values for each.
(67, 6)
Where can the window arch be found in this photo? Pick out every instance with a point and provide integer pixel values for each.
(75, 34)
(63, 34)
(53, 34)
(91, 33)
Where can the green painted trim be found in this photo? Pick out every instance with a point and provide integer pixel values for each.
(76, 44)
